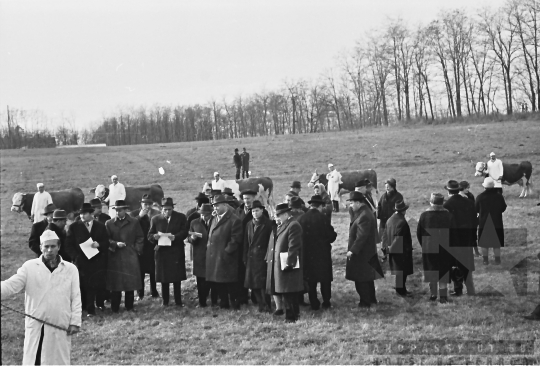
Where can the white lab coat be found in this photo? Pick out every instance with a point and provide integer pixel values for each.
(53, 297)
(334, 180)
(116, 192)
(495, 170)
(40, 201)
(220, 184)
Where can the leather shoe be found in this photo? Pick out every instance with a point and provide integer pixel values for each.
(443, 300)
(433, 298)
(363, 306)
(456, 293)
(326, 305)
(279, 312)
(532, 317)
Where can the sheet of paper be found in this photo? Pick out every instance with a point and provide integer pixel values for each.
(88, 250)
(283, 257)
(198, 235)
(164, 240)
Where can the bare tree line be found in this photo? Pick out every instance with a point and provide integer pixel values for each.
(458, 65)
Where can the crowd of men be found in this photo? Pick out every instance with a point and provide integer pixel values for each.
(241, 254)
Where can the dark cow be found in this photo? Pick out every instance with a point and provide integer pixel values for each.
(263, 186)
(70, 200)
(512, 173)
(133, 194)
(349, 180)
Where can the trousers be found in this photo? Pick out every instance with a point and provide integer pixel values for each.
(326, 292)
(292, 308)
(153, 287)
(177, 292)
(116, 298)
(401, 280)
(246, 173)
(205, 288)
(238, 172)
(263, 300)
(226, 290)
(366, 290)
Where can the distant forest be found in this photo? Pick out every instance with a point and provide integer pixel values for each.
(457, 66)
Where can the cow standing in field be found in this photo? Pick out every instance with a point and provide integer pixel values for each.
(69, 200)
(512, 173)
(133, 194)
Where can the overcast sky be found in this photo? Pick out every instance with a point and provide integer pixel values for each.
(88, 57)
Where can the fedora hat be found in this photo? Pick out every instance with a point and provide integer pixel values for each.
(248, 192)
(49, 209)
(59, 215)
(296, 184)
(282, 207)
(257, 204)
(206, 208)
(167, 202)
(452, 185)
(200, 196)
(228, 191)
(316, 199)
(87, 207)
(437, 199)
(215, 192)
(96, 202)
(361, 183)
(463, 185)
(356, 196)
(295, 202)
(400, 206)
(220, 199)
(120, 204)
(146, 199)
(488, 183)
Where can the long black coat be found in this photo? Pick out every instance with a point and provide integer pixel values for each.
(318, 236)
(102, 217)
(364, 264)
(256, 239)
(385, 207)
(199, 246)
(37, 229)
(464, 230)
(490, 203)
(397, 238)
(93, 271)
(147, 257)
(170, 261)
(433, 234)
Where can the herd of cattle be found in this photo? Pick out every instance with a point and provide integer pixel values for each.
(71, 200)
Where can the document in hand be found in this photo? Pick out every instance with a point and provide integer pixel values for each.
(198, 235)
(87, 249)
(164, 239)
(283, 256)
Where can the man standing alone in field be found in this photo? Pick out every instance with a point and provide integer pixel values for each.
(237, 160)
(495, 171)
(41, 200)
(245, 164)
(117, 192)
(334, 180)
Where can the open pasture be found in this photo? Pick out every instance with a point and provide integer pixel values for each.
(421, 158)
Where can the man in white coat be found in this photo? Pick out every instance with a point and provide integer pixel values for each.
(218, 183)
(41, 199)
(334, 180)
(117, 192)
(52, 294)
(495, 171)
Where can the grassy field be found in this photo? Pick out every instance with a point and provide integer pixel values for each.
(421, 158)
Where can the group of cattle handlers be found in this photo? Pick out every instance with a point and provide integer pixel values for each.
(243, 251)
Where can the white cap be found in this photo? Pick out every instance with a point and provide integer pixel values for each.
(48, 235)
(114, 176)
(492, 153)
(40, 185)
(216, 173)
(330, 165)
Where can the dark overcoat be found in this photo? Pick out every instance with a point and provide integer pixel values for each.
(464, 229)
(147, 257)
(199, 246)
(93, 271)
(490, 204)
(397, 238)
(170, 260)
(37, 230)
(385, 207)
(245, 161)
(318, 236)
(328, 209)
(102, 217)
(364, 263)
(62, 235)
(123, 269)
(224, 241)
(286, 239)
(256, 240)
(433, 234)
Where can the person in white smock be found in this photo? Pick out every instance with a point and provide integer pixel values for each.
(117, 192)
(41, 199)
(334, 180)
(495, 171)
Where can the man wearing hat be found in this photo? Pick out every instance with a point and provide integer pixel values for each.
(39, 227)
(233, 202)
(334, 180)
(126, 242)
(256, 237)
(398, 243)
(146, 259)
(362, 187)
(245, 164)
(224, 240)
(297, 207)
(117, 191)
(58, 225)
(463, 238)
(237, 161)
(170, 259)
(199, 200)
(490, 206)
(386, 205)
(318, 236)
(494, 170)
(363, 266)
(433, 234)
(92, 271)
(218, 183)
(199, 240)
(296, 187)
(41, 199)
(51, 287)
(283, 278)
(98, 214)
